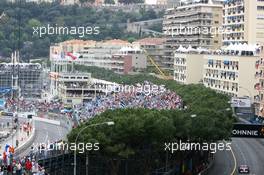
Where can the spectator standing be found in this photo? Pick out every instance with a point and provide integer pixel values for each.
(28, 166)
(18, 169)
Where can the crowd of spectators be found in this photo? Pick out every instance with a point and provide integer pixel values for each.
(32, 105)
(165, 99)
(160, 98)
(24, 166)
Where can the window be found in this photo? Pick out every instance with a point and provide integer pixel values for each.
(260, 8)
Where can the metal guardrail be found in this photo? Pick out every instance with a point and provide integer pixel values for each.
(27, 144)
(210, 165)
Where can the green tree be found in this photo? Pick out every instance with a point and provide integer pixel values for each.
(137, 129)
(34, 23)
(133, 132)
(109, 2)
(131, 39)
(34, 15)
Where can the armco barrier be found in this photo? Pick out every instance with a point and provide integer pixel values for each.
(65, 122)
(54, 122)
(26, 144)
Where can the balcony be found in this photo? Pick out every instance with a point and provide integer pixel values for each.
(221, 67)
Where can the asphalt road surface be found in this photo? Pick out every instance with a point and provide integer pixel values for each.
(247, 151)
(45, 133)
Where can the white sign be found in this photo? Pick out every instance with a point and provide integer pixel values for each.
(241, 102)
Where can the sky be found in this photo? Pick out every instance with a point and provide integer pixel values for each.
(150, 1)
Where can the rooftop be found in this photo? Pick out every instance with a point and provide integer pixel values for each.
(196, 3)
(233, 49)
(116, 41)
(93, 43)
(150, 41)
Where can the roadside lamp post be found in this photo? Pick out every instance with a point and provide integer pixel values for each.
(93, 125)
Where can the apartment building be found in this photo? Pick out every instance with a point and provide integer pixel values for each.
(117, 55)
(125, 61)
(244, 20)
(259, 75)
(229, 74)
(81, 46)
(196, 24)
(140, 26)
(71, 46)
(129, 60)
(154, 48)
(230, 71)
(188, 68)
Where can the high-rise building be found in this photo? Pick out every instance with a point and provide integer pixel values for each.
(154, 48)
(196, 24)
(244, 20)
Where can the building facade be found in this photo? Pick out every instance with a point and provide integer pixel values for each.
(117, 55)
(259, 75)
(194, 24)
(231, 72)
(244, 20)
(154, 48)
(188, 68)
(226, 74)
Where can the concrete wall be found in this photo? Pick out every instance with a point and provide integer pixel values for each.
(247, 78)
(139, 61)
(194, 69)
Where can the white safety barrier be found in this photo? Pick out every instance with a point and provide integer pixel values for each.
(25, 114)
(28, 142)
(54, 122)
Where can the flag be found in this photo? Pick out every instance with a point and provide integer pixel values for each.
(7, 148)
(73, 56)
(12, 149)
